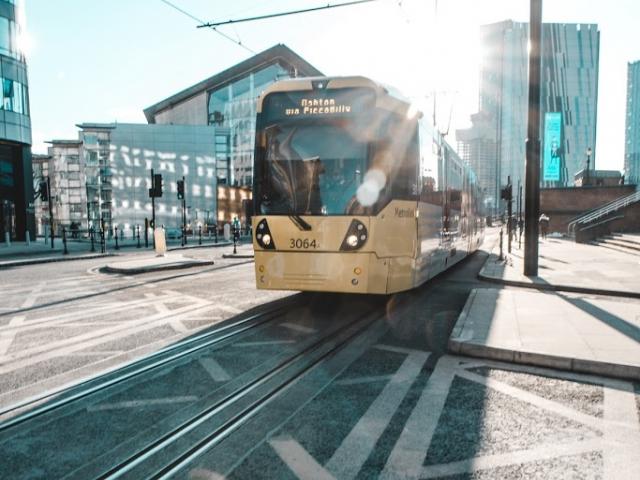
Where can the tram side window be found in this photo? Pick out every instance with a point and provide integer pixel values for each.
(429, 191)
(398, 155)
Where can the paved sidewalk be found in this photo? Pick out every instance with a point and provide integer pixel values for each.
(569, 266)
(567, 331)
(155, 263)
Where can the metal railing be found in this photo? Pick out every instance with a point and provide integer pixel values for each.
(598, 213)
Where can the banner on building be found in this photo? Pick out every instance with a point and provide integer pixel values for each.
(552, 143)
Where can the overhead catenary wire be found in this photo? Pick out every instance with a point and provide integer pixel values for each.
(282, 14)
(200, 21)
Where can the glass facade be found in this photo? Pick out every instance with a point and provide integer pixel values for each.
(233, 107)
(569, 81)
(9, 34)
(632, 132)
(15, 96)
(16, 182)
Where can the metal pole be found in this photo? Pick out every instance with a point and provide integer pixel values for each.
(153, 213)
(199, 234)
(184, 214)
(532, 183)
(138, 229)
(509, 214)
(64, 241)
(50, 209)
(93, 246)
(117, 247)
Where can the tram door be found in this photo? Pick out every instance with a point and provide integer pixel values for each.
(7, 219)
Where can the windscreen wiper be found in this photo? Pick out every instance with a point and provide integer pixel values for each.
(300, 223)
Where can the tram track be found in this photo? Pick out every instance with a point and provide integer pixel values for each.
(141, 366)
(213, 424)
(133, 435)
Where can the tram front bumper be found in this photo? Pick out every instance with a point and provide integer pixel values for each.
(324, 272)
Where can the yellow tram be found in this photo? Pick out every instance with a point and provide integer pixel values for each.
(354, 192)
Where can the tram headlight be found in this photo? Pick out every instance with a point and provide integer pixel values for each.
(263, 235)
(356, 236)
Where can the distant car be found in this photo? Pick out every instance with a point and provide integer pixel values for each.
(173, 233)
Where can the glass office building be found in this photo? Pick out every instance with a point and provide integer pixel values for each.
(568, 90)
(16, 182)
(632, 132)
(228, 102)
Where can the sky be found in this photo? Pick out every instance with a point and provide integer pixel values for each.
(105, 61)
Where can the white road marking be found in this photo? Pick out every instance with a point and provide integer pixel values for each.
(356, 447)
(96, 353)
(298, 328)
(546, 372)
(33, 296)
(532, 399)
(204, 474)
(229, 309)
(405, 460)
(141, 403)
(7, 338)
(263, 344)
(214, 369)
(486, 462)
(361, 380)
(303, 465)
(84, 313)
(621, 433)
(395, 349)
(91, 339)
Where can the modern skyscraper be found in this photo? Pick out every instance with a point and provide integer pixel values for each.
(632, 131)
(568, 102)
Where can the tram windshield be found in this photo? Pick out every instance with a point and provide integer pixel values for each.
(338, 157)
(312, 169)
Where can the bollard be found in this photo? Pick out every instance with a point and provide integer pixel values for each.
(7, 239)
(235, 240)
(215, 233)
(138, 229)
(27, 237)
(501, 256)
(64, 241)
(116, 237)
(199, 234)
(93, 246)
(146, 233)
(103, 245)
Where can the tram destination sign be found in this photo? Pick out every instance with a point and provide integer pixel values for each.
(318, 103)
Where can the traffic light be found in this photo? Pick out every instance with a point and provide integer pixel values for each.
(156, 186)
(180, 189)
(43, 189)
(505, 193)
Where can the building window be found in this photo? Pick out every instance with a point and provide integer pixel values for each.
(14, 96)
(6, 174)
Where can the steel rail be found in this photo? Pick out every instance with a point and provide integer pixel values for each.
(137, 459)
(241, 326)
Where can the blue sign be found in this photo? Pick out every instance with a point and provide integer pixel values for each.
(552, 144)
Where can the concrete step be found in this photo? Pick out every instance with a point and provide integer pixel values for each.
(621, 243)
(628, 251)
(630, 238)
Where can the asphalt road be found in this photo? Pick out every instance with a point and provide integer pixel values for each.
(333, 386)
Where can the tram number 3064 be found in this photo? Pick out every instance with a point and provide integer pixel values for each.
(302, 243)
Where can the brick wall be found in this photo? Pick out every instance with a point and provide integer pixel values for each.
(564, 204)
